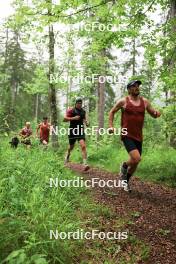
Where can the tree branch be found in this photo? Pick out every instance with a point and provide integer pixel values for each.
(77, 12)
(140, 13)
(86, 9)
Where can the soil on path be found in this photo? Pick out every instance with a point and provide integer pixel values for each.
(155, 207)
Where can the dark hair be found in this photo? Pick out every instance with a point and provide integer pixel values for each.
(133, 83)
(78, 100)
(45, 118)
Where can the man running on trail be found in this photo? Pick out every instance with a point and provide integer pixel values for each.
(25, 135)
(44, 128)
(77, 118)
(132, 118)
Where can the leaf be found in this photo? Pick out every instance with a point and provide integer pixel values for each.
(39, 259)
(14, 254)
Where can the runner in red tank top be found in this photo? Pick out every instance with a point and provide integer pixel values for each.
(132, 119)
(44, 128)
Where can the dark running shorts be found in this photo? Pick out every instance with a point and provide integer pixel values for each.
(131, 144)
(26, 141)
(72, 139)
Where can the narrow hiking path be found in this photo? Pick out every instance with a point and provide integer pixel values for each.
(150, 206)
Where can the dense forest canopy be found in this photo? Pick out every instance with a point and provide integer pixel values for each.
(99, 66)
(52, 51)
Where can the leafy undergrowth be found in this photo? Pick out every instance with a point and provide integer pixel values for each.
(130, 250)
(30, 208)
(158, 162)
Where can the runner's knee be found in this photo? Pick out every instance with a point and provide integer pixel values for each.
(83, 147)
(136, 160)
(71, 147)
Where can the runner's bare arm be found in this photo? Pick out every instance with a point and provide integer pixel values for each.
(20, 134)
(68, 119)
(154, 113)
(120, 103)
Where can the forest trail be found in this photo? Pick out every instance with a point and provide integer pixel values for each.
(154, 220)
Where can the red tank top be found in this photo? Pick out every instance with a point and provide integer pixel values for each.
(44, 131)
(133, 119)
(26, 132)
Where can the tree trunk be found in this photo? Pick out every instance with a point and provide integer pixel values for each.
(68, 90)
(52, 91)
(101, 97)
(6, 45)
(134, 58)
(101, 104)
(37, 107)
(172, 62)
(12, 104)
(172, 68)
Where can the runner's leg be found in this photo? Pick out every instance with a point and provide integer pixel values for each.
(70, 148)
(44, 142)
(134, 149)
(83, 149)
(133, 162)
(72, 141)
(84, 153)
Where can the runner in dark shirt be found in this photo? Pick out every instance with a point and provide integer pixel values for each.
(132, 118)
(77, 118)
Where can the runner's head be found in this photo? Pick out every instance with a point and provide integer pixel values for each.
(133, 87)
(28, 124)
(45, 119)
(78, 103)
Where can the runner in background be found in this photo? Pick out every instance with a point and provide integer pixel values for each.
(133, 109)
(26, 134)
(77, 118)
(44, 129)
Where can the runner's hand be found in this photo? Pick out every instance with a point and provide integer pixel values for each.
(76, 117)
(158, 114)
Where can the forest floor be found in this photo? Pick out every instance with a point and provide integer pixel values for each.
(149, 214)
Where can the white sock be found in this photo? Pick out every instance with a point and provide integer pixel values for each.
(67, 156)
(84, 161)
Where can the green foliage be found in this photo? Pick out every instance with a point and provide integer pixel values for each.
(39, 82)
(29, 208)
(158, 160)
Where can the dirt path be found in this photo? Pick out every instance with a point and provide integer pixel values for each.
(155, 207)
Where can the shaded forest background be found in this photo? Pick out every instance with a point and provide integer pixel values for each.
(44, 41)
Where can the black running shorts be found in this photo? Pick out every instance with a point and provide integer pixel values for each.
(131, 144)
(77, 135)
(26, 141)
(72, 139)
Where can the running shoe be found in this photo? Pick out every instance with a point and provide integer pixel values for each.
(123, 173)
(86, 167)
(127, 188)
(66, 160)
